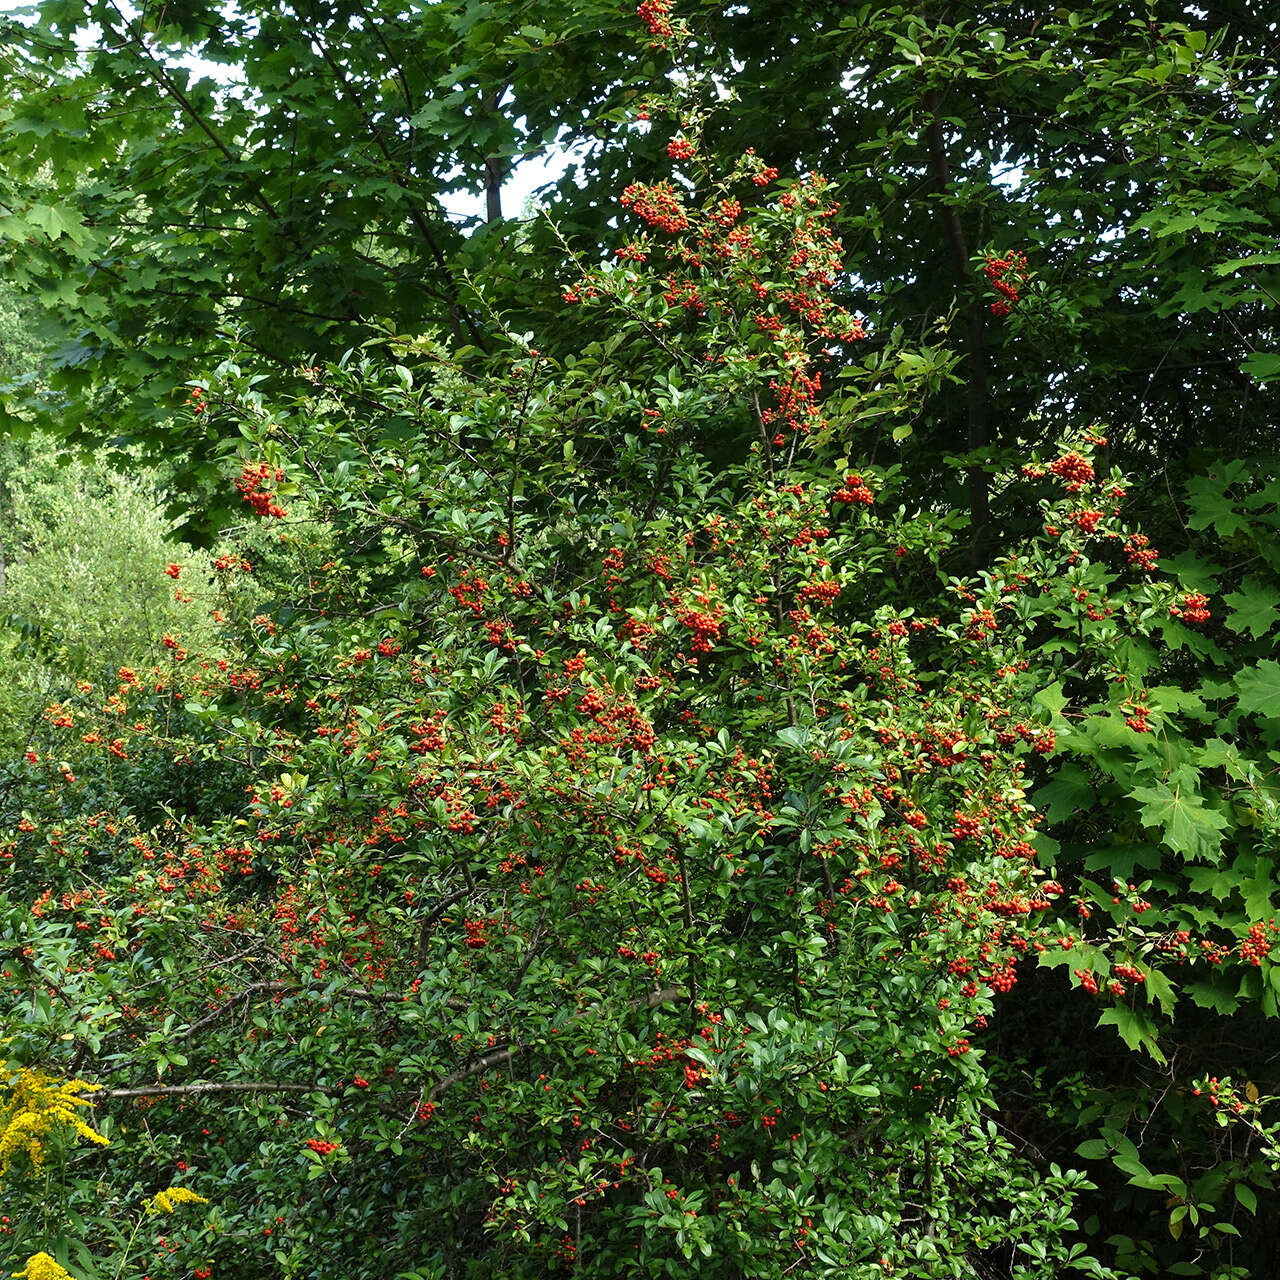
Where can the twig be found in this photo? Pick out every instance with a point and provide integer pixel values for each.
(208, 1087)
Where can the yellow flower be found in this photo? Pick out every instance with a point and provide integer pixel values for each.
(42, 1267)
(36, 1105)
(168, 1201)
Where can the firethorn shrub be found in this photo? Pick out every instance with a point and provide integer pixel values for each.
(623, 872)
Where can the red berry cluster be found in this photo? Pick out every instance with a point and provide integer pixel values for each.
(1258, 942)
(1222, 1094)
(1139, 552)
(681, 149)
(1087, 520)
(1139, 715)
(321, 1147)
(1006, 275)
(656, 15)
(252, 481)
(725, 214)
(1003, 977)
(761, 174)
(658, 204)
(1074, 470)
(979, 623)
(683, 293)
(706, 628)
(1193, 609)
(854, 490)
(819, 592)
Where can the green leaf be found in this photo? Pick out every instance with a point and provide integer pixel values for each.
(1135, 1028)
(1094, 1149)
(1258, 888)
(57, 221)
(1123, 861)
(1253, 260)
(1066, 793)
(1210, 994)
(1160, 990)
(1168, 697)
(1259, 689)
(1254, 608)
(1263, 365)
(1218, 882)
(1189, 827)
(1052, 699)
(1212, 508)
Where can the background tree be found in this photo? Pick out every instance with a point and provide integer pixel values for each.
(273, 172)
(1129, 159)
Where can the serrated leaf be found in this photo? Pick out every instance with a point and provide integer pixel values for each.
(1052, 699)
(1211, 507)
(1188, 826)
(1138, 1032)
(1169, 697)
(1194, 573)
(1253, 260)
(1254, 608)
(1258, 888)
(1209, 995)
(56, 221)
(1066, 793)
(1219, 883)
(1160, 990)
(1263, 365)
(1259, 689)
(1124, 861)
(1217, 752)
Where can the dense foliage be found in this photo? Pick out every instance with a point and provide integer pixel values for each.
(755, 793)
(1130, 158)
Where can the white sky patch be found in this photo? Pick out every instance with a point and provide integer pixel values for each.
(517, 191)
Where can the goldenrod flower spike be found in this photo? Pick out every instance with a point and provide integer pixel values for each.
(42, 1267)
(36, 1106)
(168, 1201)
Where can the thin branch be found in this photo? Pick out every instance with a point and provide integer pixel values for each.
(475, 1067)
(243, 996)
(424, 932)
(208, 1087)
(161, 76)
